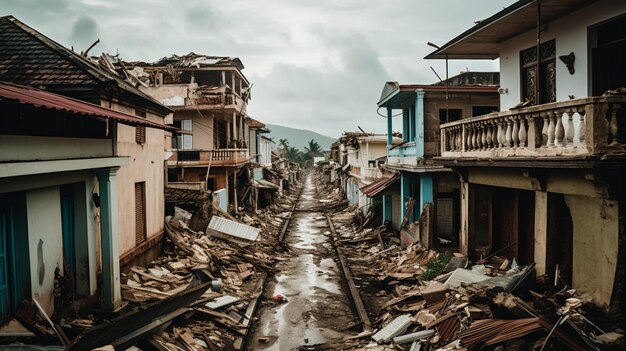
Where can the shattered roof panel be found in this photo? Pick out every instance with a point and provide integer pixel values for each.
(377, 187)
(227, 229)
(197, 60)
(28, 57)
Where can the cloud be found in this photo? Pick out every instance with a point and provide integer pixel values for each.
(317, 64)
(84, 33)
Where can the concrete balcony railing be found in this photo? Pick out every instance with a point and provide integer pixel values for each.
(402, 155)
(217, 157)
(214, 98)
(582, 127)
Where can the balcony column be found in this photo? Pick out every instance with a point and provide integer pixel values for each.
(541, 231)
(464, 234)
(242, 129)
(389, 128)
(109, 239)
(412, 124)
(419, 123)
(234, 126)
(426, 191)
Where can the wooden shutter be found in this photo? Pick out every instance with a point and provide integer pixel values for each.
(140, 212)
(140, 134)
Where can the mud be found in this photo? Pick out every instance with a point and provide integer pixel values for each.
(317, 306)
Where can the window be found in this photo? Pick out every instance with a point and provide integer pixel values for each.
(547, 73)
(140, 212)
(454, 114)
(140, 134)
(183, 141)
(483, 110)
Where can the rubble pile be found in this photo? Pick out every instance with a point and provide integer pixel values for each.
(420, 299)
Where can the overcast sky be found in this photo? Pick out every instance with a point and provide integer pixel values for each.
(315, 64)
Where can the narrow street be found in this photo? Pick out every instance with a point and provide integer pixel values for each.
(317, 306)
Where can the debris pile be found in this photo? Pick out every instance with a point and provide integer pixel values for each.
(421, 299)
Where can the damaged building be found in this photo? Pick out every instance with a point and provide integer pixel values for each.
(209, 97)
(542, 180)
(423, 108)
(82, 173)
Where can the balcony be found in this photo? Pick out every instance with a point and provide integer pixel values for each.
(403, 155)
(204, 158)
(577, 129)
(214, 98)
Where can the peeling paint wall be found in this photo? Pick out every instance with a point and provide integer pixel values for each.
(596, 246)
(146, 165)
(45, 241)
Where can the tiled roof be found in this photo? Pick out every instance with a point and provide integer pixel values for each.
(28, 57)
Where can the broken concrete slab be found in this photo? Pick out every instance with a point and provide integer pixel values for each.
(465, 276)
(231, 230)
(394, 328)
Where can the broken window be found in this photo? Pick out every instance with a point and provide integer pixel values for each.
(140, 212)
(453, 114)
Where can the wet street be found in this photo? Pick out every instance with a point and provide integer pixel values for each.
(317, 306)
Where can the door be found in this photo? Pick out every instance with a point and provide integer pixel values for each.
(395, 212)
(546, 82)
(445, 217)
(69, 229)
(5, 230)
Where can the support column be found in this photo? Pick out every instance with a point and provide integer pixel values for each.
(234, 126)
(232, 79)
(541, 231)
(412, 124)
(235, 191)
(242, 133)
(404, 194)
(387, 214)
(419, 123)
(426, 191)
(389, 128)
(109, 239)
(223, 77)
(465, 203)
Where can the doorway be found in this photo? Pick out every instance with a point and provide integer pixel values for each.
(560, 240)
(608, 54)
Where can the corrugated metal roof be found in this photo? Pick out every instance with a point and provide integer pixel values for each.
(377, 187)
(51, 101)
(227, 229)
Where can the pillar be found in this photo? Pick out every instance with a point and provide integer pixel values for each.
(405, 194)
(232, 79)
(223, 77)
(235, 126)
(412, 124)
(426, 191)
(406, 134)
(109, 238)
(541, 231)
(465, 203)
(419, 123)
(387, 215)
(235, 191)
(389, 127)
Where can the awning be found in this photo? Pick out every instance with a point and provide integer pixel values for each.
(377, 187)
(43, 99)
(483, 40)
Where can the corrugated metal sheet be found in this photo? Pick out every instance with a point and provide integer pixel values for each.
(227, 229)
(394, 328)
(44, 99)
(377, 187)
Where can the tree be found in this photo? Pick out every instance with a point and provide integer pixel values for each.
(314, 149)
(293, 154)
(283, 145)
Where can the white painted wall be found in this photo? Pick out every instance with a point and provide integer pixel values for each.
(45, 243)
(570, 33)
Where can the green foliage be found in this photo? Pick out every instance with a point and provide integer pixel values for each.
(299, 138)
(436, 266)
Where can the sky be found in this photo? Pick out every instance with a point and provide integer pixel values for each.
(314, 64)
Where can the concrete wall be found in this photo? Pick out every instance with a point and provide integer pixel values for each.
(45, 243)
(146, 166)
(202, 127)
(570, 33)
(30, 148)
(595, 246)
(433, 102)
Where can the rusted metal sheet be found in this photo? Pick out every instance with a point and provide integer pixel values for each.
(227, 229)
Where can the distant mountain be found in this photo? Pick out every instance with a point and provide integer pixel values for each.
(298, 138)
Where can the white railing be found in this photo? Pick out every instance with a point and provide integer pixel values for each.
(574, 127)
